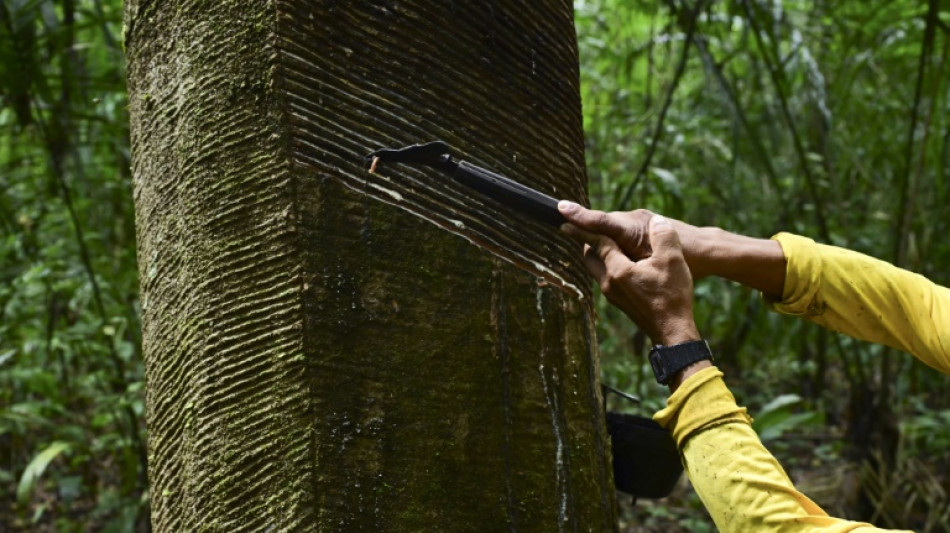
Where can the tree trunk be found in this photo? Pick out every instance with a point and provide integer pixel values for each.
(332, 350)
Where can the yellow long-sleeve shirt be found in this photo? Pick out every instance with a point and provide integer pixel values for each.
(741, 484)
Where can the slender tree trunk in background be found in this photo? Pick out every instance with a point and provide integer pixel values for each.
(332, 350)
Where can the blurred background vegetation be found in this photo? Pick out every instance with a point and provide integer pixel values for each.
(829, 119)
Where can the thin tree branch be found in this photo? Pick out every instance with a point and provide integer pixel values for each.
(751, 135)
(908, 181)
(777, 76)
(624, 202)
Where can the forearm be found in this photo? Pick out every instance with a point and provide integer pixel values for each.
(741, 484)
(866, 298)
(745, 489)
(756, 263)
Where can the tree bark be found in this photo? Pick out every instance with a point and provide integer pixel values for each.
(331, 350)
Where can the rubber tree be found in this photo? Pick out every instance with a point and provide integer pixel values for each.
(332, 350)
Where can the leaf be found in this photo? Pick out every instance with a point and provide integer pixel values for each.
(790, 423)
(776, 417)
(780, 402)
(665, 176)
(36, 468)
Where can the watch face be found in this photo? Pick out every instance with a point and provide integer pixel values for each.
(657, 364)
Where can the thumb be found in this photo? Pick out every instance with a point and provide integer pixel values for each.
(663, 237)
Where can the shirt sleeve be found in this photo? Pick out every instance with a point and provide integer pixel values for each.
(866, 298)
(741, 484)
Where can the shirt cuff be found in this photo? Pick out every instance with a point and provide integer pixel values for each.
(700, 403)
(802, 277)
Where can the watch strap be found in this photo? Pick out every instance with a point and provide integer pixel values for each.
(667, 361)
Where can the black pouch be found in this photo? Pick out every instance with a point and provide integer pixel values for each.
(646, 461)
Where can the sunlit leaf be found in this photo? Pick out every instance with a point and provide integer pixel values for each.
(34, 470)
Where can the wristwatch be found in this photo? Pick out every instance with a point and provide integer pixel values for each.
(667, 361)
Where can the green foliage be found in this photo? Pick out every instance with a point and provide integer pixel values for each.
(36, 468)
(71, 436)
(827, 119)
(925, 432)
(779, 416)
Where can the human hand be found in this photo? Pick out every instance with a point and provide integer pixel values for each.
(629, 230)
(655, 291)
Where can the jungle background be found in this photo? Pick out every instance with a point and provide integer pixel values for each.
(828, 119)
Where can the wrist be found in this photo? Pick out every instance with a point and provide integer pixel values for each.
(701, 248)
(678, 333)
(672, 364)
(688, 332)
(684, 374)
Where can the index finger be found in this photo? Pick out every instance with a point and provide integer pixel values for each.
(601, 253)
(591, 219)
(603, 246)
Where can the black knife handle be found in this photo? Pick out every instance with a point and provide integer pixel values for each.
(509, 192)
